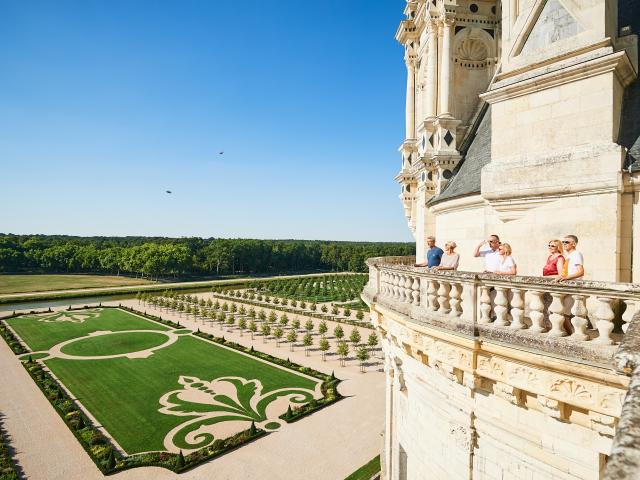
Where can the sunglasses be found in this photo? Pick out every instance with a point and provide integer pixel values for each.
(551, 246)
(566, 242)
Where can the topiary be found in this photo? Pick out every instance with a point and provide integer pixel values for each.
(111, 461)
(180, 461)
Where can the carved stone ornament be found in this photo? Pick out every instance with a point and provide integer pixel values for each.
(570, 390)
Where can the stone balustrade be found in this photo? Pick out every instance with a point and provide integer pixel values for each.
(569, 318)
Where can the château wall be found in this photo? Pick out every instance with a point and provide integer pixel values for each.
(479, 393)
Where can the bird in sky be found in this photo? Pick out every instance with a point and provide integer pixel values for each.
(168, 191)
(221, 152)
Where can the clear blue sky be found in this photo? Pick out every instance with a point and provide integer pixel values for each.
(104, 105)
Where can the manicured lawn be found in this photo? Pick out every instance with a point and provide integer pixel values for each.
(42, 283)
(178, 394)
(41, 332)
(115, 344)
(123, 394)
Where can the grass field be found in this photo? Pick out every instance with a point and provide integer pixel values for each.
(44, 283)
(41, 332)
(181, 396)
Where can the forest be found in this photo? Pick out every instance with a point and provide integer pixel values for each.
(157, 257)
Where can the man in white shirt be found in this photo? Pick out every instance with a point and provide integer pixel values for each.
(490, 253)
(575, 261)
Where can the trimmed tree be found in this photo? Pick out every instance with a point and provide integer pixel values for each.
(343, 351)
(360, 315)
(265, 329)
(307, 341)
(295, 324)
(253, 328)
(308, 325)
(277, 333)
(355, 336)
(372, 341)
(324, 347)
(362, 354)
(338, 332)
(242, 324)
(292, 337)
(323, 328)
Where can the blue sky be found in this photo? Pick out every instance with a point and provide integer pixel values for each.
(106, 104)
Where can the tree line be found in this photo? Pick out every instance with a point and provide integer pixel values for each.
(178, 257)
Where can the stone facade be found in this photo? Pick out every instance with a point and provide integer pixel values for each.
(490, 378)
(554, 77)
(522, 120)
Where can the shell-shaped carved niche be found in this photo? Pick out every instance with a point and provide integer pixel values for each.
(473, 50)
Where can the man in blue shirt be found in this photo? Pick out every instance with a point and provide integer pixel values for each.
(434, 254)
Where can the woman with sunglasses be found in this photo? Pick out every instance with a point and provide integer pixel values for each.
(555, 260)
(507, 263)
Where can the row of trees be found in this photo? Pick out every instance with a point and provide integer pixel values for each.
(302, 304)
(268, 325)
(153, 257)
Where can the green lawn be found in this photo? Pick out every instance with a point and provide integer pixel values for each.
(41, 332)
(124, 395)
(43, 283)
(116, 344)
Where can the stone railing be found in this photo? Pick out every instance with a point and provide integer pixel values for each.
(569, 318)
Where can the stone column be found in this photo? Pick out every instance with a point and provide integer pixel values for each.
(411, 100)
(445, 66)
(432, 72)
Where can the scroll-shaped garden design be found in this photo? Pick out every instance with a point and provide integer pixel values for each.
(224, 406)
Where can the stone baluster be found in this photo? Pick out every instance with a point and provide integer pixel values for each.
(398, 286)
(579, 319)
(424, 293)
(502, 307)
(455, 300)
(469, 302)
(556, 316)
(394, 282)
(485, 305)
(415, 293)
(604, 321)
(632, 308)
(517, 309)
(443, 297)
(536, 312)
(431, 294)
(408, 294)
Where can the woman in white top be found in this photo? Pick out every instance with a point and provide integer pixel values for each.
(507, 263)
(449, 260)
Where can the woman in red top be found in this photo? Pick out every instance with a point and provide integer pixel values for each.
(555, 262)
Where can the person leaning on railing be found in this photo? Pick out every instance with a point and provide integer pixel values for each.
(507, 264)
(574, 266)
(450, 259)
(555, 261)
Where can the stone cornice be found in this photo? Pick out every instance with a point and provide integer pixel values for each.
(457, 204)
(617, 62)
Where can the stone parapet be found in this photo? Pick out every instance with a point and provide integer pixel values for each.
(578, 320)
(514, 377)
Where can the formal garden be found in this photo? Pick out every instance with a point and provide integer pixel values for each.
(163, 395)
(233, 313)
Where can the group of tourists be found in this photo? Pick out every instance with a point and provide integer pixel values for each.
(564, 262)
